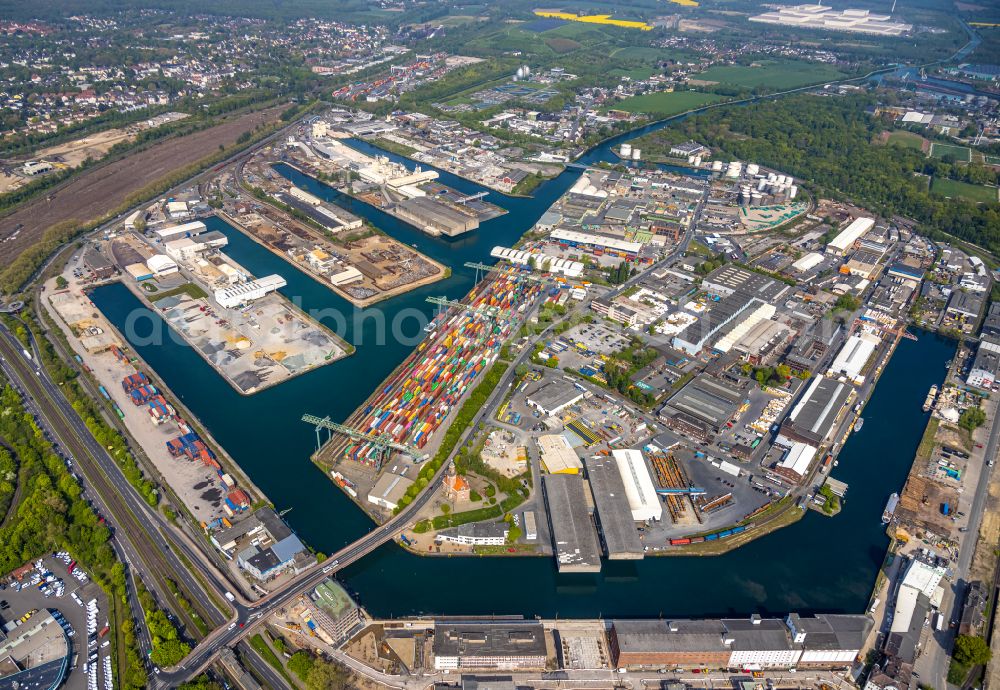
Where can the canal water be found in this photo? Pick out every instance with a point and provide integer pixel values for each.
(818, 564)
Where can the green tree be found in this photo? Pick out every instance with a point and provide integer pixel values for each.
(971, 651)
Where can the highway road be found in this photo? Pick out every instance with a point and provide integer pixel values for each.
(138, 532)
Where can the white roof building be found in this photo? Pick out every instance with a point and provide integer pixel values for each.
(808, 262)
(639, 487)
(161, 264)
(554, 264)
(175, 231)
(849, 235)
(235, 295)
(573, 237)
(558, 455)
(798, 458)
(851, 359)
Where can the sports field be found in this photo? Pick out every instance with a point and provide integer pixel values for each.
(963, 190)
(961, 153)
(776, 75)
(663, 104)
(906, 139)
(991, 160)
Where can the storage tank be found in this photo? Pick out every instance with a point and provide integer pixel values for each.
(792, 191)
(771, 177)
(717, 166)
(752, 168)
(762, 185)
(625, 151)
(636, 154)
(697, 161)
(756, 199)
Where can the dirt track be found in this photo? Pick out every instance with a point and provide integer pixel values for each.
(96, 191)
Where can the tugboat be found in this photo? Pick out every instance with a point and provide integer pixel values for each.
(858, 424)
(890, 508)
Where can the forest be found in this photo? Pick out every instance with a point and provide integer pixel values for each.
(829, 143)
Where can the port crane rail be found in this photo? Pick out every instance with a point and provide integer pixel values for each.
(381, 442)
(488, 312)
(486, 268)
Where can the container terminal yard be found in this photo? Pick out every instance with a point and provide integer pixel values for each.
(409, 407)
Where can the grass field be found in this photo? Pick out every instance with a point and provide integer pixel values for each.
(909, 140)
(664, 104)
(776, 75)
(637, 74)
(963, 190)
(961, 153)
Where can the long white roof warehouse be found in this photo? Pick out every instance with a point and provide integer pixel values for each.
(849, 235)
(639, 488)
(854, 355)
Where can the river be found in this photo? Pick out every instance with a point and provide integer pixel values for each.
(818, 564)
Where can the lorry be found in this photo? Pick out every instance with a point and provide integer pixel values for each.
(230, 597)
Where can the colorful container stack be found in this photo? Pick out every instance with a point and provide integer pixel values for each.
(134, 381)
(143, 394)
(430, 383)
(160, 410)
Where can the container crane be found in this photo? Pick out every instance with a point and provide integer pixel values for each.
(488, 312)
(486, 268)
(382, 443)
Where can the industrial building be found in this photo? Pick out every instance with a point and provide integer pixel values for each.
(826, 18)
(162, 265)
(824, 641)
(388, 490)
(983, 373)
(553, 395)
(173, 232)
(846, 238)
(265, 547)
(235, 295)
(558, 456)
(640, 491)
(476, 534)
(574, 539)
(795, 464)
(817, 411)
(591, 242)
(717, 315)
(853, 357)
(488, 645)
(187, 248)
(332, 218)
(731, 279)
(760, 314)
(808, 262)
(435, 217)
(702, 407)
(612, 511)
(543, 262)
(98, 264)
(35, 654)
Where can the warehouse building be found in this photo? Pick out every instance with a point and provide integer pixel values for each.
(265, 546)
(853, 357)
(731, 279)
(553, 395)
(794, 466)
(488, 645)
(574, 539)
(593, 242)
(846, 238)
(761, 313)
(173, 232)
(702, 407)
(235, 295)
(640, 491)
(821, 642)
(817, 411)
(436, 217)
(162, 265)
(612, 511)
(543, 262)
(558, 456)
(983, 373)
(388, 490)
(98, 264)
(717, 316)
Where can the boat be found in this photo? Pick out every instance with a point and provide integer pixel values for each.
(929, 401)
(859, 423)
(890, 508)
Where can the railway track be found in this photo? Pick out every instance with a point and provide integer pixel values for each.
(158, 563)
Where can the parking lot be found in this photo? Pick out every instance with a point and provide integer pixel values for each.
(81, 610)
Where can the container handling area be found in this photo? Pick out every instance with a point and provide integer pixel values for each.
(416, 400)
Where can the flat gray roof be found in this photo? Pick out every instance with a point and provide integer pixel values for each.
(816, 413)
(614, 516)
(477, 639)
(706, 399)
(573, 535)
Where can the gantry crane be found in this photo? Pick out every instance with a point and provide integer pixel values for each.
(382, 443)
